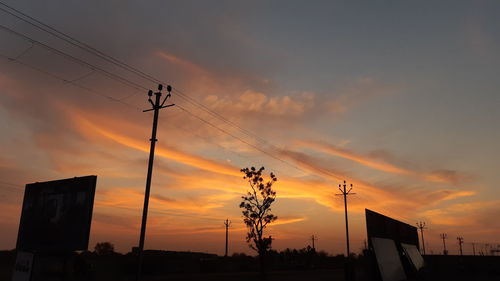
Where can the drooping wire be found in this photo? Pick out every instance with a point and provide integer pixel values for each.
(238, 138)
(71, 82)
(130, 83)
(76, 60)
(77, 43)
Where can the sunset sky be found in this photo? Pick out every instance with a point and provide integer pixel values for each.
(399, 98)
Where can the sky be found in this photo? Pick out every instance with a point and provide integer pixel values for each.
(398, 98)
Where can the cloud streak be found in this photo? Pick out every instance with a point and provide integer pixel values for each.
(440, 176)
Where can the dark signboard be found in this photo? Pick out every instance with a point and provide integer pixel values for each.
(380, 226)
(56, 215)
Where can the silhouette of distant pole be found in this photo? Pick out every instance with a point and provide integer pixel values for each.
(421, 226)
(156, 106)
(227, 223)
(444, 236)
(313, 238)
(345, 193)
(473, 249)
(347, 269)
(460, 242)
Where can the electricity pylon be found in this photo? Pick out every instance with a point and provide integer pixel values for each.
(156, 106)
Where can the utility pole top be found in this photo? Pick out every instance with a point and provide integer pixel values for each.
(421, 225)
(157, 105)
(343, 191)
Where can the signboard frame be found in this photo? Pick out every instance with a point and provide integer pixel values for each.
(57, 215)
(380, 226)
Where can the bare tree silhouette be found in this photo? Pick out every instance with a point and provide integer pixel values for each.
(257, 215)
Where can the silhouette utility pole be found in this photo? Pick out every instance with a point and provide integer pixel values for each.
(227, 223)
(313, 238)
(460, 242)
(349, 274)
(444, 236)
(421, 226)
(345, 193)
(473, 249)
(156, 106)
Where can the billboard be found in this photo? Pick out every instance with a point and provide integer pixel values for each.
(380, 226)
(23, 266)
(56, 215)
(389, 263)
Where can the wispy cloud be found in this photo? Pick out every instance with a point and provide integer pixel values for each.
(362, 90)
(378, 163)
(186, 64)
(255, 102)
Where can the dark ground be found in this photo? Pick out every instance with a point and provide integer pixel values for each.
(291, 266)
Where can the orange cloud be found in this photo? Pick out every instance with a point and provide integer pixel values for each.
(386, 167)
(468, 214)
(256, 102)
(441, 176)
(90, 128)
(132, 199)
(287, 220)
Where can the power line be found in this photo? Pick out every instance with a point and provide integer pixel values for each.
(76, 60)
(71, 82)
(206, 139)
(112, 60)
(121, 79)
(77, 43)
(239, 139)
(54, 76)
(217, 115)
